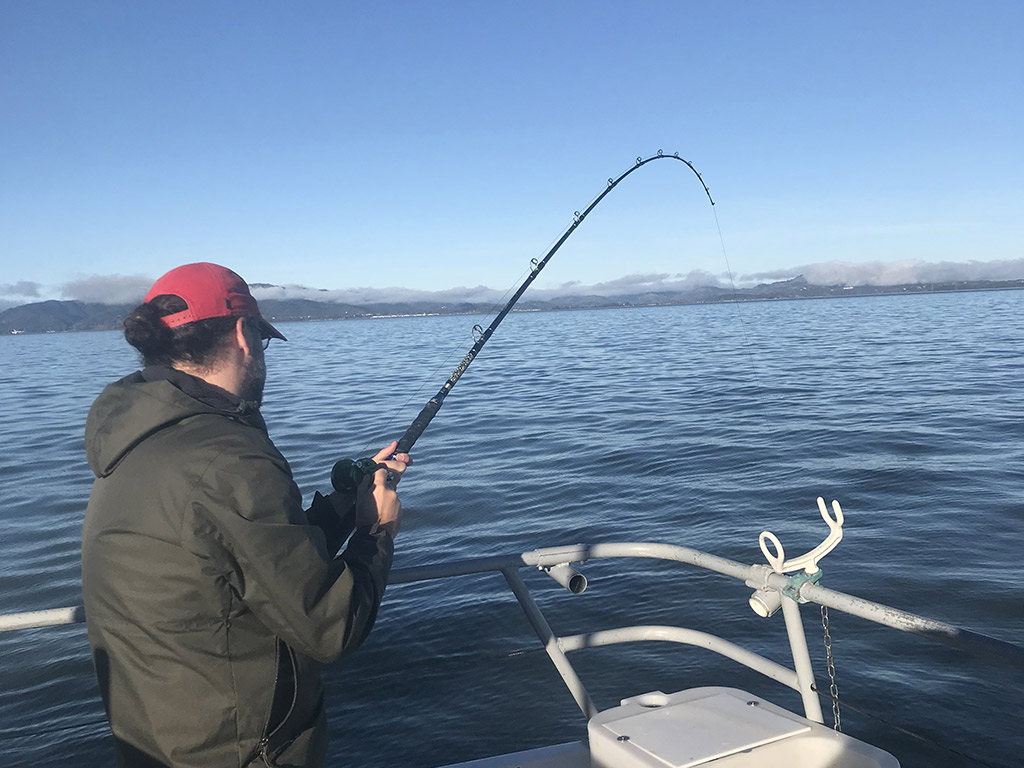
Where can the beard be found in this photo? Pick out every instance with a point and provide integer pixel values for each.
(255, 378)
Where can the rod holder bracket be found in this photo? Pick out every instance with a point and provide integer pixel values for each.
(807, 562)
(796, 581)
(567, 576)
(765, 602)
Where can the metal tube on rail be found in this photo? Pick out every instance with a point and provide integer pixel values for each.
(568, 577)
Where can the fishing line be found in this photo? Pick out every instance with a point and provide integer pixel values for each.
(349, 473)
(748, 347)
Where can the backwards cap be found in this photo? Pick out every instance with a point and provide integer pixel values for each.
(209, 290)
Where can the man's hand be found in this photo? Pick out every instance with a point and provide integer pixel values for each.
(377, 500)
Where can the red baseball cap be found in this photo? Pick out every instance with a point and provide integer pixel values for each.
(209, 290)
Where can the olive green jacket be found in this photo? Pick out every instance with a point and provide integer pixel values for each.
(211, 597)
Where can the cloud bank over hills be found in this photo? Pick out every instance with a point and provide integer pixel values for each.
(99, 289)
(129, 289)
(909, 272)
(630, 284)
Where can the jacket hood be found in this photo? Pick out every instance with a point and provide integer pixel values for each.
(145, 402)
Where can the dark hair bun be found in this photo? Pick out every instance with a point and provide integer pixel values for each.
(144, 329)
(197, 343)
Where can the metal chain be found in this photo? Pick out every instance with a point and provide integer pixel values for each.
(832, 688)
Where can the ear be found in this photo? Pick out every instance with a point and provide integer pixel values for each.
(240, 337)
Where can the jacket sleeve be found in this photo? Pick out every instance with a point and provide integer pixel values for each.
(279, 563)
(335, 515)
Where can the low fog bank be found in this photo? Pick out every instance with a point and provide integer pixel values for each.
(129, 289)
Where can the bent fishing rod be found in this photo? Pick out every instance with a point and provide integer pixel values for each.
(349, 473)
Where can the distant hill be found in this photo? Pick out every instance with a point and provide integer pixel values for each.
(50, 316)
(305, 309)
(54, 316)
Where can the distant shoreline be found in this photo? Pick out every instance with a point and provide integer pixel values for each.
(70, 316)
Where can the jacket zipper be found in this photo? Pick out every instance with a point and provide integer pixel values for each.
(264, 743)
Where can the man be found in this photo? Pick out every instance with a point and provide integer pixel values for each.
(211, 597)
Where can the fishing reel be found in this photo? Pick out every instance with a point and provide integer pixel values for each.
(348, 474)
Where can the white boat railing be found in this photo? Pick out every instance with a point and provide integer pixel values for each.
(769, 585)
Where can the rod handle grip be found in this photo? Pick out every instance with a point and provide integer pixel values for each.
(419, 424)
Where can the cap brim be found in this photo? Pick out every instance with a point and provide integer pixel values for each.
(267, 330)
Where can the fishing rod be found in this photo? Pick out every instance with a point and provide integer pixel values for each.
(349, 473)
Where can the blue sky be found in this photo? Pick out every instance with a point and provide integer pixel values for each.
(431, 146)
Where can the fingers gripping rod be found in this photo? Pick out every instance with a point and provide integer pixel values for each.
(346, 471)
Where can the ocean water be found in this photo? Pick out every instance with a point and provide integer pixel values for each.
(691, 425)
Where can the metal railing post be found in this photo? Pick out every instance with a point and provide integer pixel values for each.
(543, 630)
(801, 659)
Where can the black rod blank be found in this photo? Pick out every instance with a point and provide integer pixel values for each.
(433, 405)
